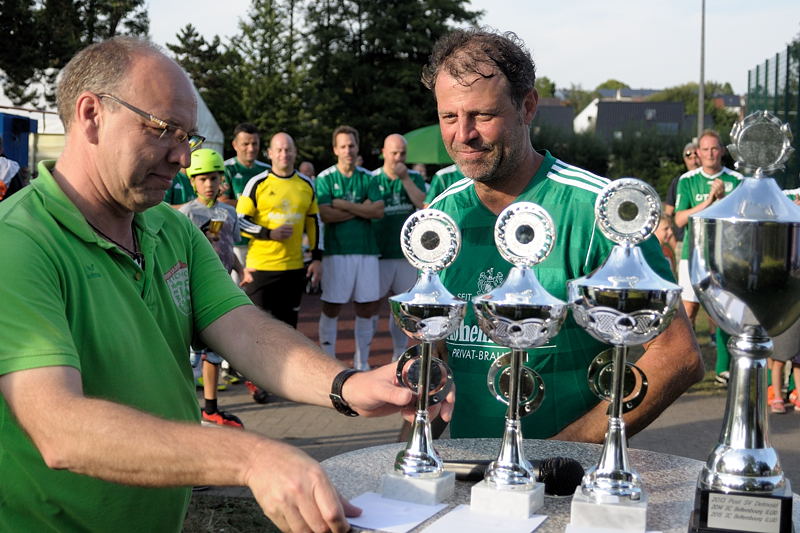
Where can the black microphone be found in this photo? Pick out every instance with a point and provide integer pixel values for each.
(560, 475)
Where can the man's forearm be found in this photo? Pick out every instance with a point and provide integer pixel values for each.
(332, 215)
(682, 216)
(672, 364)
(366, 209)
(273, 355)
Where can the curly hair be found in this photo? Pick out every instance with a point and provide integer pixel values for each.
(463, 53)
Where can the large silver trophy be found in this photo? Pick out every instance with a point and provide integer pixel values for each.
(623, 303)
(745, 268)
(519, 314)
(430, 241)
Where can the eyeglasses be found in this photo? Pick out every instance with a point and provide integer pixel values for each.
(688, 154)
(179, 135)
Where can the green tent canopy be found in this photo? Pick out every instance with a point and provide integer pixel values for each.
(425, 146)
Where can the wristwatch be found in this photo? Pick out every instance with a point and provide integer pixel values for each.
(338, 402)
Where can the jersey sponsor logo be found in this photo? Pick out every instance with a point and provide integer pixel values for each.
(177, 279)
(468, 334)
(489, 280)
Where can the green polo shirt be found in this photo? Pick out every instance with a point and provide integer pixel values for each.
(397, 207)
(71, 298)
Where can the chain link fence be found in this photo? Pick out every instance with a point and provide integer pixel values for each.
(774, 86)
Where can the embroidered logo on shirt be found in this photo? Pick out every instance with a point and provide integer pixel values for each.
(177, 279)
(91, 271)
(489, 280)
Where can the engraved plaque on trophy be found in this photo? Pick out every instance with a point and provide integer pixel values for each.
(519, 314)
(745, 269)
(623, 303)
(428, 312)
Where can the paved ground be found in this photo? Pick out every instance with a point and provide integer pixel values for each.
(690, 427)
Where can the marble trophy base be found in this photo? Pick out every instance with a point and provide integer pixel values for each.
(513, 502)
(610, 512)
(422, 490)
(738, 512)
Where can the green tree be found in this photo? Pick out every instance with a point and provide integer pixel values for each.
(687, 93)
(612, 84)
(545, 87)
(51, 32)
(365, 66)
(213, 68)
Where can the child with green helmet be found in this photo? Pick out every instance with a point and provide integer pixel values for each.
(218, 221)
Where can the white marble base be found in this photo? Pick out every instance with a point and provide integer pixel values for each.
(613, 512)
(426, 491)
(514, 503)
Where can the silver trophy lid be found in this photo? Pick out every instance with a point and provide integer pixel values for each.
(430, 240)
(520, 313)
(627, 210)
(760, 144)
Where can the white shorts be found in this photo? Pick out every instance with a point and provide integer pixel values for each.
(685, 282)
(347, 278)
(397, 275)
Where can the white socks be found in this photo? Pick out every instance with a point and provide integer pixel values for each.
(364, 330)
(399, 339)
(327, 333)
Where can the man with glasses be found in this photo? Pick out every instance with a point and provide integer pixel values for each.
(99, 421)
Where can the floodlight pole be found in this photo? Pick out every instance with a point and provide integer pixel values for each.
(702, 89)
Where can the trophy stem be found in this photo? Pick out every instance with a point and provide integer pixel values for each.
(743, 460)
(613, 474)
(511, 468)
(419, 459)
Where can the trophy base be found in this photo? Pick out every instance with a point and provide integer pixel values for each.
(738, 512)
(422, 490)
(608, 512)
(507, 501)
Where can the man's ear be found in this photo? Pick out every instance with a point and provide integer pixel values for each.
(530, 103)
(87, 118)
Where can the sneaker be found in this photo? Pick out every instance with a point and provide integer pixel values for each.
(198, 383)
(231, 377)
(259, 395)
(222, 418)
(722, 378)
(794, 399)
(777, 406)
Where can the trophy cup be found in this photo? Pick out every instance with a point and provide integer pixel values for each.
(622, 303)
(745, 268)
(519, 314)
(428, 312)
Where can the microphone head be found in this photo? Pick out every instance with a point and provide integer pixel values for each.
(560, 475)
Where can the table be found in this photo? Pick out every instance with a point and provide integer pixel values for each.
(668, 479)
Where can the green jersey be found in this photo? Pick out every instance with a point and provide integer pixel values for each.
(354, 236)
(237, 175)
(693, 189)
(442, 180)
(74, 299)
(181, 191)
(568, 194)
(397, 206)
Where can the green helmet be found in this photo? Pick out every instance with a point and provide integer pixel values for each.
(205, 161)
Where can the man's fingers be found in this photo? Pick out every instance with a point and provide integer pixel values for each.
(326, 510)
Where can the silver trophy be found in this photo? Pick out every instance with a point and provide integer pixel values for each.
(745, 268)
(519, 314)
(622, 303)
(428, 312)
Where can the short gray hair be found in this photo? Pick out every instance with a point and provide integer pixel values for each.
(100, 68)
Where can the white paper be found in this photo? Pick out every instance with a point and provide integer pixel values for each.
(394, 516)
(464, 520)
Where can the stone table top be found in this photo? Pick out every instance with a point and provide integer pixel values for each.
(669, 480)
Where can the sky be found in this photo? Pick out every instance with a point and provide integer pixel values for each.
(647, 44)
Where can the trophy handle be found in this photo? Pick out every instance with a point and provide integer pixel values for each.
(408, 371)
(600, 375)
(531, 385)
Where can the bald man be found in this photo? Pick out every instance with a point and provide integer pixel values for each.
(276, 208)
(403, 192)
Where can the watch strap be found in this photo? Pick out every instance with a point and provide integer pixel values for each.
(337, 400)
